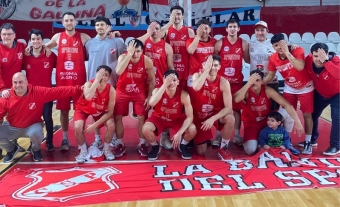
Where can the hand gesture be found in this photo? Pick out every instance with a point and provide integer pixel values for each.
(207, 124)
(252, 79)
(266, 147)
(208, 64)
(294, 46)
(5, 94)
(90, 128)
(284, 47)
(176, 139)
(168, 80)
(322, 55)
(131, 47)
(113, 34)
(200, 30)
(28, 50)
(47, 51)
(172, 16)
(100, 74)
(151, 29)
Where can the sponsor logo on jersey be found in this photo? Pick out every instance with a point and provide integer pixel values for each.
(172, 35)
(252, 99)
(4, 60)
(291, 79)
(148, 45)
(165, 101)
(64, 41)
(226, 48)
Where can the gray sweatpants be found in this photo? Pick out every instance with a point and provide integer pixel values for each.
(9, 133)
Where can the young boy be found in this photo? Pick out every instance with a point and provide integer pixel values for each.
(274, 135)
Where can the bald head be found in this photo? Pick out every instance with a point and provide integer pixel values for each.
(20, 83)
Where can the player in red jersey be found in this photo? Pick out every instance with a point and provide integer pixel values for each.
(11, 55)
(70, 67)
(38, 63)
(98, 101)
(27, 101)
(211, 102)
(257, 106)
(298, 84)
(172, 109)
(133, 68)
(232, 49)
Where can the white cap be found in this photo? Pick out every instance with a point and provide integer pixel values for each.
(261, 23)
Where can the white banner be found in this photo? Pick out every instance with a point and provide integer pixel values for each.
(160, 9)
(52, 10)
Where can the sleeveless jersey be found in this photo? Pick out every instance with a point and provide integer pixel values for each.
(177, 39)
(208, 100)
(132, 80)
(259, 53)
(71, 61)
(170, 109)
(231, 60)
(98, 104)
(156, 52)
(257, 107)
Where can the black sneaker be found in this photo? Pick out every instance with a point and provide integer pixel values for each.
(185, 152)
(29, 149)
(191, 144)
(307, 148)
(331, 151)
(153, 154)
(313, 144)
(37, 155)
(10, 155)
(49, 146)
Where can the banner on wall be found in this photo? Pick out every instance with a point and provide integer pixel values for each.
(52, 10)
(246, 16)
(160, 9)
(69, 185)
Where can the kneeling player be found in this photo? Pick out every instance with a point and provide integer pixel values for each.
(98, 100)
(169, 102)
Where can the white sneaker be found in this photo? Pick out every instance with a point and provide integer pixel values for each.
(165, 142)
(217, 141)
(81, 158)
(98, 144)
(108, 155)
(114, 143)
(238, 140)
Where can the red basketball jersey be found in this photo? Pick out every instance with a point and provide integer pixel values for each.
(208, 100)
(156, 52)
(177, 39)
(257, 107)
(231, 60)
(71, 61)
(169, 109)
(98, 104)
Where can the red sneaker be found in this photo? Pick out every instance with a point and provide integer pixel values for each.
(143, 150)
(225, 155)
(119, 150)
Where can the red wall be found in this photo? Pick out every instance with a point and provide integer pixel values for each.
(280, 19)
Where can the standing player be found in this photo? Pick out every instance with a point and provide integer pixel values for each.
(169, 102)
(70, 67)
(232, 49)
(39, 63)
(298, 84)
(212, 105)
(98, 101)
(133, 68)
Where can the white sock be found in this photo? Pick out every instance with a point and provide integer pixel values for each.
(65, 134)
(114, 136)
(142, 141)
(308, 138)
(97, 137)
(237, 133)
(120, 141)
(218, 133)
(106, 146)
(224, 142)
(83, 147)
(184, 142)
(154, 143)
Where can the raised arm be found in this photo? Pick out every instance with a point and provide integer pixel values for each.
(199, 79)
(149, 32)
(124, 59)
(158, 92)
(90, 88)
(242, 94)
(53, 42)
(298, 62)
(165, 27)
(193, 46)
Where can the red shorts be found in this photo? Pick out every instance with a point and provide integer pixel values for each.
(203, 136)
(306, 101)
(161, 124)
(80, 115)
(252, 129)
(183, 84)
(64, 104)
(122, 104)
(234, 87)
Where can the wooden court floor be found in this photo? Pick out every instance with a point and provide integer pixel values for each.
(325, 197)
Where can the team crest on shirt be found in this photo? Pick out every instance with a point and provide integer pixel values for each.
(148, 45)
(291, 79)
(172, 35)
(159, 49)
(184, 37)
(165, 101)
(140, 70)
(226, 48)
(28, 66)
(130, 66)
(252, 99)
(214, 90)
(4, 60)
(238, 50)
(325, 76)
(32, 106)
(175, 104)
(46, 65)
(64, 41)
(75, 43)
(112, 50)
(263, 101)
(19, 55)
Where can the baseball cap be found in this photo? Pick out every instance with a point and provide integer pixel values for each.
(261, 23)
